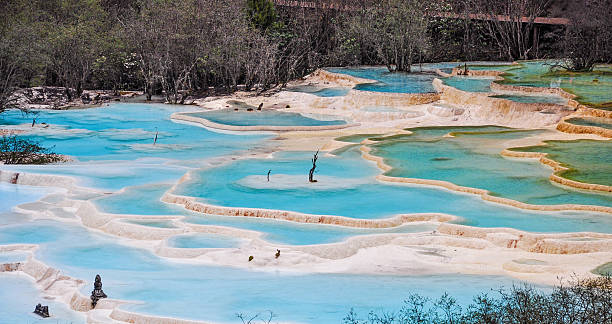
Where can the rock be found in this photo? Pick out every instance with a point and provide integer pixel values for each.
(49, 96)
(97, 293)
(85, 98)
(42, 311)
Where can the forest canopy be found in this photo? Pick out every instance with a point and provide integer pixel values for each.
(180, 48)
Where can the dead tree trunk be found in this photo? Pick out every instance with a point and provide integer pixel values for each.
(314, 166)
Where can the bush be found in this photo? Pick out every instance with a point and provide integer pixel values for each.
(15, 150)
(583, 301)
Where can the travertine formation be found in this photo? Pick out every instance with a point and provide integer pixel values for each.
(484, 194)
(558, 171)
(450, 248)
(503, 111)
(475, 73)
(566, 127)
(193, 205)
(207, 123)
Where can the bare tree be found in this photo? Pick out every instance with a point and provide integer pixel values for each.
(165, 40)
(511, 24)
(588, 39)
(314, 166)
(259, 317)
(20, 48)
(396, 30)
(74, 42)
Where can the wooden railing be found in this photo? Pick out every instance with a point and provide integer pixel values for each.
(340, 6)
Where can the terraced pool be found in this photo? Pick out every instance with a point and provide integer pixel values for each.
(591, 121)
(121, 170)
(264, 118)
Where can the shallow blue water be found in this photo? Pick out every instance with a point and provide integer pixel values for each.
(472, 159)
(263, 118)
(347, 187)
(389, 82)
(146, 200)
(13, 195)
(367, 198)
(151, 223)
(203, 240)
(19, 297)
(114, 144)
(127, 132)
(591, 121)
(469, 84)
(320, 92)
(534, 99)
(217, 293)
(418, 81)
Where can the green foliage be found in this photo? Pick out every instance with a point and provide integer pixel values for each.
(179, 48)
(588, 40)
(584, 301)
(391, 32)
(15, 150)
(21, 58)
(262, 14)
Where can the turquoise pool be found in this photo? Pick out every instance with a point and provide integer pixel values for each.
(472, 158)
(20, 295)
(201, 240)
(349, 178)
(216, 293)
(592, 88)
(389, 82)
(589, 161)
(534, 99)
(470, 84)
(146, 200)
(151, 223)
(12, 195)
(591, 121)
(126, 132)
(114, 149)
(418, 81)
(320, 91)
(263, 118)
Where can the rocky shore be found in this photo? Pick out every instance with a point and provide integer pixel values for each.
(60, 98)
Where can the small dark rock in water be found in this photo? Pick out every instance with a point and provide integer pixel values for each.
(287, 106)
(235, 109)
(249, 109)
(250, 258)
(441, 159)
(260, 106)
(97, 293)
(42, 311)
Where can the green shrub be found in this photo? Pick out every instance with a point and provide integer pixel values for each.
(15, 150)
